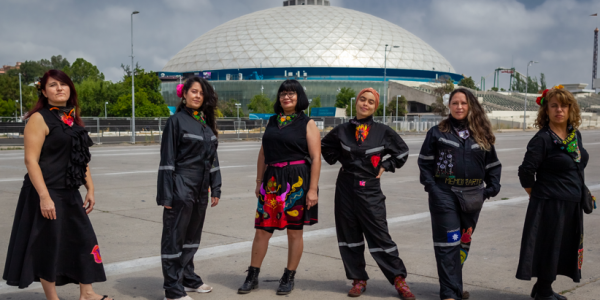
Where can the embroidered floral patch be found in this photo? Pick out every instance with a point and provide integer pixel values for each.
(67, 118)
(96, 254)
(283, 120)
(580, 258)
(569, 144)
(463, 256)
(466, 235)
(197, 115)
(362, 131)
(375, 159)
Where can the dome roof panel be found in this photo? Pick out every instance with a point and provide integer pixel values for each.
(319, 36)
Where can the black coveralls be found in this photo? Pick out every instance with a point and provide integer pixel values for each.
(188, 166)
(359, 202)
(447, 160)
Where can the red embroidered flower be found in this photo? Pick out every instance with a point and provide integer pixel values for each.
(375, 160)
(541, 99)
(466, 235)
(67, 120)
(96, 253)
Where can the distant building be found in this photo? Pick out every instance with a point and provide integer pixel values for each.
(6, 67)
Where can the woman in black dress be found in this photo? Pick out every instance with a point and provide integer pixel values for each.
(189, 166)
(459, 169)
(360, 212)
(552, 175)
(52, 239)
(288, 167)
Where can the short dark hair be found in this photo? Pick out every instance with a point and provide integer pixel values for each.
(291, 85)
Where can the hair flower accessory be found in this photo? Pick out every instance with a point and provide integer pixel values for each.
(180, 90)
(559, 87)
(540, 100)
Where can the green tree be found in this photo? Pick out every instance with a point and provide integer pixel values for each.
(391, 107)
(93, 94)
(260, 104)
(532, 85)
(495, 89)
(30, 71)
(518, 83)
(446, 86)
(316, 102)
(9, 90)
(8, 108)
(542, 82)
(56, 62)
(81, 70)
(143, 107)
(468, 83)
(342, 100)
(228, 108)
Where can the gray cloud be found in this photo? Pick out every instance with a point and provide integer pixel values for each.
(476, 36)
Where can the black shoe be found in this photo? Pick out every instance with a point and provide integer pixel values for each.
(555, 295)
(251, 281)
(286, 283)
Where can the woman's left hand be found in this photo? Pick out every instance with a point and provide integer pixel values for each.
(89, 202)
(381, 170)
(312, 198)
(214, 201)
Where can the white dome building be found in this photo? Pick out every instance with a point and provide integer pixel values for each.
(307, 40)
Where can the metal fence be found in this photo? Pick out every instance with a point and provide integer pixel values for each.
(149, 130)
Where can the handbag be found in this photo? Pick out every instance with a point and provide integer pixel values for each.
(588, 201)
(470, 198)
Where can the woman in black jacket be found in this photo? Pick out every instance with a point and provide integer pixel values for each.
(189, 166)
(552, 175)
(459, 169)
(360, 212)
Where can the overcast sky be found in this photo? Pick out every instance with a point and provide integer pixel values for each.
(475, 36)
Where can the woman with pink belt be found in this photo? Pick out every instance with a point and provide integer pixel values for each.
(288, 167)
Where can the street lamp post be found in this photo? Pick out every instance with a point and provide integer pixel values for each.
(526, 82)
(237, 106)
(132, 83)
(309, 101)
(397, 111)
(384, 77)
(351, 100)
(16, 111)
(105, 109)
(20, 96)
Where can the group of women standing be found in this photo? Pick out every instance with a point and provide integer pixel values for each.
(53, 241)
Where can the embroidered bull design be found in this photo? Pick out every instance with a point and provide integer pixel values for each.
(273, 205)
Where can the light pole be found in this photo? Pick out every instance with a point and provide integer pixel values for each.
(526, 82)
(105, 109)
(351, 100)
(132, 83)
(384, 77)
(20, 96)
(397, 111)
(237, 106)
(309, 101)
(16, 111)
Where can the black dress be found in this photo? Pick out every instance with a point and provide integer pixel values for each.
(552, 242)
(64, 250)
(282, 201)
(360, 211)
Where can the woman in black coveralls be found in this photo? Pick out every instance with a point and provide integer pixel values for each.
(189, 166)
(552, 175)
(360, 212)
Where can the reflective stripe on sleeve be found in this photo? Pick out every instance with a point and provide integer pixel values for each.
(377, 149)
(492, 165)
(423, 157)
(163, 168)
(193, 136)
(401, 156)
(215, 169)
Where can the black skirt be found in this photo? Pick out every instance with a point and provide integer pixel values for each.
(552, 242)
(63, 251)
(282, 201)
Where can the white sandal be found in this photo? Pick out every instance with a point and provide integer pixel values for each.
(205, 288)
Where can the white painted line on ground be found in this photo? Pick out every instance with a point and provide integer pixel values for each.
(141, 264)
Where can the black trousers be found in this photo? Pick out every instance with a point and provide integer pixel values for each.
(452, 231)
(360, 211)
(182, 229)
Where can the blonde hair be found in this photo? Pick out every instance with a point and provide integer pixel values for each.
(564, 97)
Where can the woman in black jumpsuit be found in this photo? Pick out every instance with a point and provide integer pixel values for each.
(360, 209)
(459, 169)
(189, 166)
(52, 240)
(552, 174)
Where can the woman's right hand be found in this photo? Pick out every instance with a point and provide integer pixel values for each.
(168, 207)
(47, 208)
(257, 190)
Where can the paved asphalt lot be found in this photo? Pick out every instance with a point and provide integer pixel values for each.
(128, 225)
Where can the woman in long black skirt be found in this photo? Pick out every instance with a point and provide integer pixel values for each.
(552, 175)
(189, 166)
(288, 167)
(52, 239)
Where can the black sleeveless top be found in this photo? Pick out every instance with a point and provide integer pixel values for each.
(287, 143)
(65, 154)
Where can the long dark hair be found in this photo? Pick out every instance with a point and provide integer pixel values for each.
(291, 85)
(209, 102)
(478, 123)
(43, 100)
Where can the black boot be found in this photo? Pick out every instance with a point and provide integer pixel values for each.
(251, 281)
(286, 283)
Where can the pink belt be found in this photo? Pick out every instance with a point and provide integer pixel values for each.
(288, 163)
